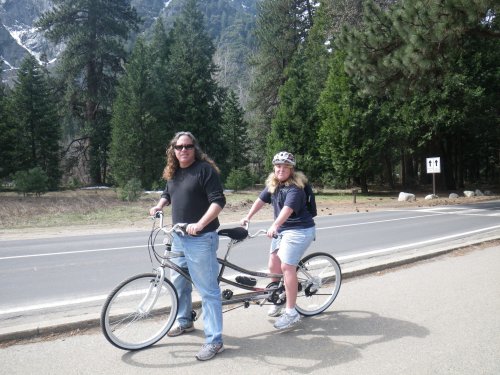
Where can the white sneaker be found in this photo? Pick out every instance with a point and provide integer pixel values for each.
(179, 330)
(286, 321)
(208, 351)
(275, 311)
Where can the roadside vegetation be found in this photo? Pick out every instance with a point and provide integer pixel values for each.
(104, 207)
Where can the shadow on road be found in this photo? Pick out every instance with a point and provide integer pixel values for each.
(318, 342)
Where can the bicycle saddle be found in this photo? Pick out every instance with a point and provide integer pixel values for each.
(234, 233)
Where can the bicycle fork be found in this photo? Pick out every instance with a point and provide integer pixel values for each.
(153, 293)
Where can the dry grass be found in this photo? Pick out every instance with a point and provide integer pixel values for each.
(86, 207)
(67, 208)
(102, 208)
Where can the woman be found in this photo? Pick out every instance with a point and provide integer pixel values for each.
(293, 228)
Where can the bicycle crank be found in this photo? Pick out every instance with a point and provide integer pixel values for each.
(278, 296)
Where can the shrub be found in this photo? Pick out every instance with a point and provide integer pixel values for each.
(158, 185)
(239, 178)
(33, 181)
(74, 183)
(131, 191)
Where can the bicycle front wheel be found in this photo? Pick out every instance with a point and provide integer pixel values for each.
(139, 312)
(319, 277)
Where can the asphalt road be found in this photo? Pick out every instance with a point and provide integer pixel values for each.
(436, 317)
(53, 270)
(68, 278)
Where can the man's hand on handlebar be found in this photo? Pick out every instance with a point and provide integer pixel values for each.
(193, 229)
(154, 210)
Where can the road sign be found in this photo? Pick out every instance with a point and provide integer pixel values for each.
(433, 165)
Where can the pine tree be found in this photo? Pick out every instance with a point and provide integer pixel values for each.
(93, 32)
(196, 104)
(430, 59)
(282, 26)
(296, 122)
(137, 136)
(36, 123)
(162, 101)
(235, 133)
(350, 139)
(411, 44)
(7, 134)
(293, 128)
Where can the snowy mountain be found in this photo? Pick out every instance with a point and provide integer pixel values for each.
(18, 36)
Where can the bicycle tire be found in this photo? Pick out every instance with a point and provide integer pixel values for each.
(134, 317)
(319, 277)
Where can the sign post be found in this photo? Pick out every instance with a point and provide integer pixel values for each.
(433, 166)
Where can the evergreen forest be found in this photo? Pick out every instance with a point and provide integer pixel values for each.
(360, 91)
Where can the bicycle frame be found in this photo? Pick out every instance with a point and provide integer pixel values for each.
(253, 292)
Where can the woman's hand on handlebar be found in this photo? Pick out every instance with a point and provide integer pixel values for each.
(272, 232)
(245, 222)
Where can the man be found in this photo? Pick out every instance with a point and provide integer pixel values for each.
(195, 191)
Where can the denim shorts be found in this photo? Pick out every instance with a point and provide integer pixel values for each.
(291, 244)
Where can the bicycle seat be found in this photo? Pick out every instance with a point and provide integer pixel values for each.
(234, 233)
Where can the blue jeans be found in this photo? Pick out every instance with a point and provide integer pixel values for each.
(200, 258)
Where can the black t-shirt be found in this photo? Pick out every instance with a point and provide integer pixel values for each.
(192, 191)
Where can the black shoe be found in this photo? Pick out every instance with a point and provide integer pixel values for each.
(245, 280)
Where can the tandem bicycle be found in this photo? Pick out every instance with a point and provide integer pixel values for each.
(143, 308)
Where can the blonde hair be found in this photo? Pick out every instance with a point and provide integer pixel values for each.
(296, 178)
(173, 162)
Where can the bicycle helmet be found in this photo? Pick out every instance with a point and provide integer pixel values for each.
(284, 157)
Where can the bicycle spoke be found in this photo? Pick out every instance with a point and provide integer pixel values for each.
(124, 323)
(320, 277)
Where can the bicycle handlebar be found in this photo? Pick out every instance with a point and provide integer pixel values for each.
(178, 228)
(260, 231)
(181, 227)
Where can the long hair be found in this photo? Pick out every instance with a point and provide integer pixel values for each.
(173, 162)
(296, 178)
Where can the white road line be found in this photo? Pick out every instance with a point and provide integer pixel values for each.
(381, 221)
(133, 247)
(49, 305)
(460, 211)
(74, 252)
(70, 252)
(410, 245)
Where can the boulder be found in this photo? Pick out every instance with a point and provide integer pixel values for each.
(430, 196)
(453, 196)
(468, 193)
(478, 193)
(406, 197)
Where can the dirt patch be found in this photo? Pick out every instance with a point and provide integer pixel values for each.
(95, 212)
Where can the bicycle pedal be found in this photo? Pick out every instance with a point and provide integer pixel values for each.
(245, 280)
(194, 315)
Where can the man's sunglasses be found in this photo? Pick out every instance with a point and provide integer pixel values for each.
(180, 147)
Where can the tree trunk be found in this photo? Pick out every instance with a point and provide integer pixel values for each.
(388, 168)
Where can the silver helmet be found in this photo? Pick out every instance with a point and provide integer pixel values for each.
(284, 157)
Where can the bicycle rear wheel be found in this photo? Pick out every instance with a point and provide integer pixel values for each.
(139, 312)
(319, 277)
